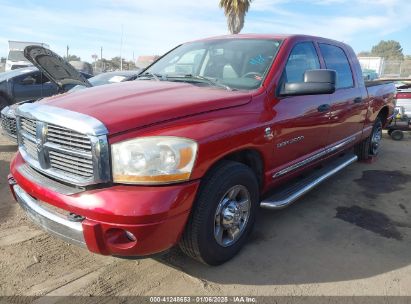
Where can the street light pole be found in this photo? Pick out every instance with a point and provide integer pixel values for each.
(67, 51)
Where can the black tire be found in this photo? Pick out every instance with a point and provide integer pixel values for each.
(390, 132)
(397, 135)
(3, 103)
(199, 240)
(367, 148)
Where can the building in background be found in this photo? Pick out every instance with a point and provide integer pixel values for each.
(2, 64)
(375, 64)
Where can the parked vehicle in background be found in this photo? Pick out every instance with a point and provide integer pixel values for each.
(110, 77)
(26, 84)
(15, 57)
(49, 88)
(403, 96)
(82, 66)
(187, 153)
(369, 74)
(400, 124)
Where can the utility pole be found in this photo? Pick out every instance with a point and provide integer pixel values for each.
(121, 49)
(67, 51)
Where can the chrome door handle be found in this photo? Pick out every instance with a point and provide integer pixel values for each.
(324, 107)
(358, 100)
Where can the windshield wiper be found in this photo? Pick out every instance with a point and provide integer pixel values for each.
(209, 80)
(150, 75)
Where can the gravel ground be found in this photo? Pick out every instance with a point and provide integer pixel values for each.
(351, 236)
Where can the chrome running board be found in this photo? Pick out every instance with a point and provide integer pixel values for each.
(288, 195)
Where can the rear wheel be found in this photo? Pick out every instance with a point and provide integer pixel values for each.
(397, 135)
(371, 145)
(223, 214)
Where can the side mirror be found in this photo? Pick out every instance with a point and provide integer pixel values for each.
(315, 82)
(28, 81)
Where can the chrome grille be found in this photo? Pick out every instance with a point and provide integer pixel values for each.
(78, 165)
(30, 148)
(9, 125)
(28, 126)
(68, 139)
(51, 141)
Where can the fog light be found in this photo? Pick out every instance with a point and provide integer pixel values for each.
(120, 238)
(130, 236)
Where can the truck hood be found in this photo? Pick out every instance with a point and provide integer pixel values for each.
(128, 105)
(54, 67)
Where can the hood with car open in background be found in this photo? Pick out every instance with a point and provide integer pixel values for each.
(54, 67)
(127, 105)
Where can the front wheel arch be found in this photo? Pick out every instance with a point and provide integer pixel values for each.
(198, 239)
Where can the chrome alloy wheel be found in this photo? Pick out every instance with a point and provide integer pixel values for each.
(376, 138)
(232, 215)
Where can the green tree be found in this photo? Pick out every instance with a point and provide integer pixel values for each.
(364, 54)
(72, 58)
(388, 49)
(114, 64)
(235, 11)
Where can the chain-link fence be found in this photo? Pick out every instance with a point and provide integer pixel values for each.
(396, 68)
(374, 67)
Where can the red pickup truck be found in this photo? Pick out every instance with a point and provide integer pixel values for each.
(186, 154)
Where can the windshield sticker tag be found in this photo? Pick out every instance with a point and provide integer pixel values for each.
(117, 79)
(257, 60)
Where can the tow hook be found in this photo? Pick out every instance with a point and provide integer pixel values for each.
(72, 217)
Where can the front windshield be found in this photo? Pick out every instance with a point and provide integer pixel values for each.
(16, 56)
(235, 63)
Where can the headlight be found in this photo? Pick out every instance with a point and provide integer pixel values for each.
(153, 160)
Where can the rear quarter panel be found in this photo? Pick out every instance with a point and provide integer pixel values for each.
(379, 96)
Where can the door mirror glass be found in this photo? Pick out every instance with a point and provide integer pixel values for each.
(28, 81)
(315, 82)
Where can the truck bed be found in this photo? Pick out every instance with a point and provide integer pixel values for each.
(372, 83)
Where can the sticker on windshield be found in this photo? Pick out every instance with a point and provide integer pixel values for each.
(259, 59)
(116, 79)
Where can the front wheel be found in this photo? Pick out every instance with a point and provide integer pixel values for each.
(223, 214)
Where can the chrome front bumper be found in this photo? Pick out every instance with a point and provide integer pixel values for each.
(71, 232)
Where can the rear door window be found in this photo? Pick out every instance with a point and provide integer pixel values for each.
(336, 59)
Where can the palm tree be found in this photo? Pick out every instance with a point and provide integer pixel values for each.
(235, 11)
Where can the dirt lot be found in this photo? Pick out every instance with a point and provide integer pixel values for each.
(351, 236)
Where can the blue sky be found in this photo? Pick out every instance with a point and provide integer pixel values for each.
(155, 26)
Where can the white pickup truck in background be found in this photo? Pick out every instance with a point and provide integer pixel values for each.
(15, 57)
